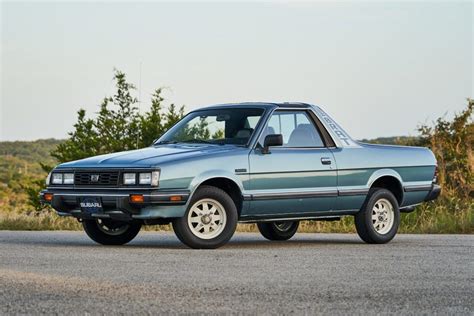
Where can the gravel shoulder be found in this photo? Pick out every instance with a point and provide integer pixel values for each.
(65, 272)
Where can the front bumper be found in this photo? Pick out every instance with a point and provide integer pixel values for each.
(434, 193)
(116, 203)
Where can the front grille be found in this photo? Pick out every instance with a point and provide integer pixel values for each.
(109, 178)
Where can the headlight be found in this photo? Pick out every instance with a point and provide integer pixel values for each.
(129, 178)
(57, 178)
(145, 178)
(68, 178)
(151, 178)
(48, 178)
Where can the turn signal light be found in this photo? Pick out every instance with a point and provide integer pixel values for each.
(136, 198)
(175, 198)
(48, 197)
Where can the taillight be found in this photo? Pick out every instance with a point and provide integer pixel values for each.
(435, 177)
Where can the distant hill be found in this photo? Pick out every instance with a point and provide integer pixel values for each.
(21, 160)
(394, 140)
(31, 151)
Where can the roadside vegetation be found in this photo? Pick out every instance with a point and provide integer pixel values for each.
(119, 126)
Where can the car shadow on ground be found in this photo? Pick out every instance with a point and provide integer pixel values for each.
(169, 241)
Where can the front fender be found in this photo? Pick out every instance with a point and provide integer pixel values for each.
(212, 174)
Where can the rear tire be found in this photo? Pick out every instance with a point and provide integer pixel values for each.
(110, 232)
(278, 230)
(379, 218)
(210, 220)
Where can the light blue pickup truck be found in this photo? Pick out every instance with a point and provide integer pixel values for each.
(273, 164)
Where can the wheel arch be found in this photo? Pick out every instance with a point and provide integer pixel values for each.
(228, 183)
(388, 179)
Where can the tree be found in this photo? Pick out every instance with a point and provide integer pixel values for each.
(155, 122)
(119, 126)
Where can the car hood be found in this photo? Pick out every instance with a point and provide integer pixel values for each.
(149, 157)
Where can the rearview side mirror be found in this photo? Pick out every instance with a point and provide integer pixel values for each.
(271, 140)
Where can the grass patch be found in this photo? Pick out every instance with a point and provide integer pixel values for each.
(441, 217)
(43, 221)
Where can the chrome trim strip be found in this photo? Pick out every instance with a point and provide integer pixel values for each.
(63, 213)
(293, 195)
(409, 206)
(72, 187)
(121, 195)
(277, 194)
(91, 194)
(351, 192)
(290, 217)
(101, 215)
(388, 167)
(285, 172)
(247, 197)
(415, 188)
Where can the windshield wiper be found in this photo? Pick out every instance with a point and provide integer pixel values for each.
(192, 141)
(195, 140)
(164, 142)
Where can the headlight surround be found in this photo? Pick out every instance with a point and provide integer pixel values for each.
(57, 178)
(68, 178)
(155, 178)
(129, 178)
(151, 178)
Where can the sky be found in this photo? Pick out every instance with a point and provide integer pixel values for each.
(379, 68)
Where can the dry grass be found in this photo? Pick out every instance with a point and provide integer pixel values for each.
(441, 217)
(43, 221)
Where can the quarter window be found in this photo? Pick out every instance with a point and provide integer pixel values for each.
(297, 129)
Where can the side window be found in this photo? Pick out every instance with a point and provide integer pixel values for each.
(297, 129)
(251, 121)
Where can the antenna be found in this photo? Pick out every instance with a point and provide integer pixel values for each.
(139, 98)
(140, 89)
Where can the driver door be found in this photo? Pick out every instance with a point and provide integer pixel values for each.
(298, 178)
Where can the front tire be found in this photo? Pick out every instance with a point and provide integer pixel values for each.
(210, 220)
(378, 220)
(278, 230)
(110, 232)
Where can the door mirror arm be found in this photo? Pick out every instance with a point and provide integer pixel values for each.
(271, 140)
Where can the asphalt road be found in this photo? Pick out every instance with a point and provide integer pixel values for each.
(66, 273)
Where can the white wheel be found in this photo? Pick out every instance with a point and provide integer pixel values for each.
(379, 218)
(210, 219)
(207, 219)
(383, 216)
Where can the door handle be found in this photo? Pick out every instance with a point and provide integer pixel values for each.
(326, 161)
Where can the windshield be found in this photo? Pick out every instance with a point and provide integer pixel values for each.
(216, 126)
